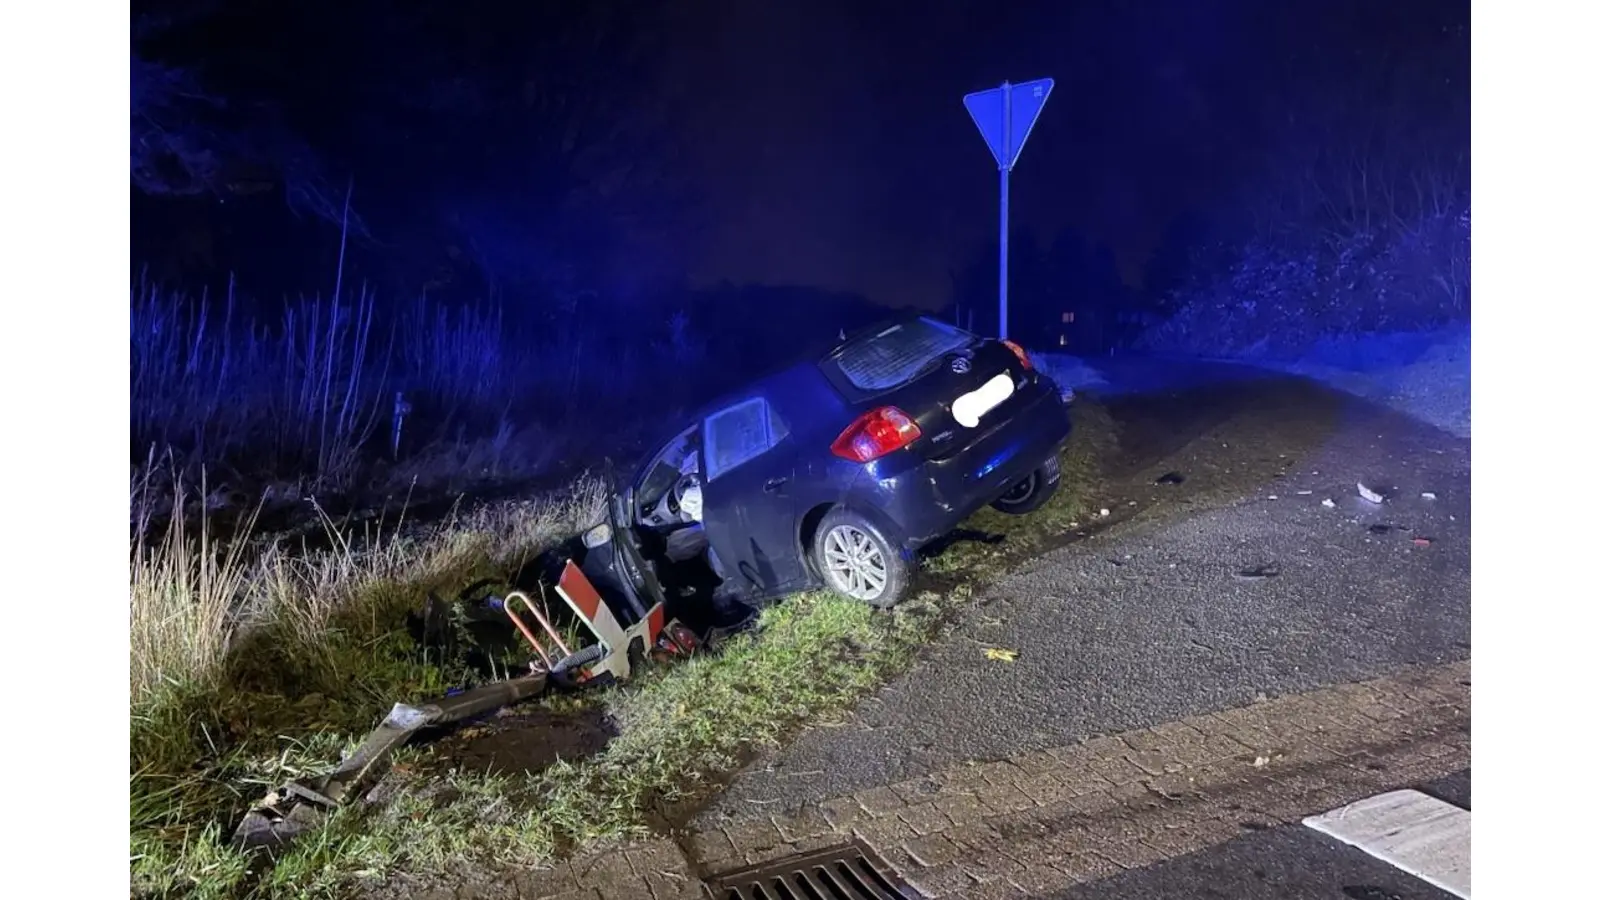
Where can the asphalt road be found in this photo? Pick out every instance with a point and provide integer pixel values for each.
(1289, 861)
(1150, 619)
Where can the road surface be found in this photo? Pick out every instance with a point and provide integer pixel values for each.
(1152, 619)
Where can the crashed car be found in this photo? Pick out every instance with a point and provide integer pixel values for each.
(832, 473)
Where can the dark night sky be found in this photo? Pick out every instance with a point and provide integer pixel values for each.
(835, 148)
(827, 144)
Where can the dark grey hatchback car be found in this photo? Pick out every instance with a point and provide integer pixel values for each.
(833, 472)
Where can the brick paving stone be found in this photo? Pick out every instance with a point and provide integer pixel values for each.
(1040, 879)
(711, 846)
(807, 822)
(879, 802)
(602, 869)
(931, 850)
(990, 867)
(1039, 762)
(1006, 800)
(1002, 773)
(961, 808)
(1110, 771)
(1144, 740)
(1048, 792)
(752, 836)
(674, 886)
(1133, 854)
(1153, 762)
(916, 790)
(593, 894)
(886, 831)
(1003, 889)
(942, 881)
(1085, 867)
(925, 818)
(841, 812)
(1107, 745)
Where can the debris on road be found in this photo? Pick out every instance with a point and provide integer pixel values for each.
(1104, 512)
(1266, 570)
(1422, 541)
(1384, 528)
(1000, 654)
(625, 637)
(1429, 495)
(1328, 502)
(1368, 494)
(1303, 493)
(1272, 496)
(1171, 478)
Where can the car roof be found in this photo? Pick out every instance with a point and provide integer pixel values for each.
(784, 378)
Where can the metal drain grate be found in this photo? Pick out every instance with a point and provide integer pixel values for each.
(850, 872)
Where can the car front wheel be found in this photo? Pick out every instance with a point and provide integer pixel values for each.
(859, 560)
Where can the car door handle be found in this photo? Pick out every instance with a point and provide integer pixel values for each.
(773, 484)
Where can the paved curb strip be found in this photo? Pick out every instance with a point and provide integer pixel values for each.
(1043, 821)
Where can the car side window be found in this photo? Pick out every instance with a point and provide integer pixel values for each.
(739, 434)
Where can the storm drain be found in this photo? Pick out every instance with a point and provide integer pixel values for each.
(850, 872)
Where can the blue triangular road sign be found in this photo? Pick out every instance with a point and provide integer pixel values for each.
(1004, 134)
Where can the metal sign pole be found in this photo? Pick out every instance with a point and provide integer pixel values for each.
(1005, 201)
(992, 110)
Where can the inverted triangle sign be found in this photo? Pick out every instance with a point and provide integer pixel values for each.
(1005, 134)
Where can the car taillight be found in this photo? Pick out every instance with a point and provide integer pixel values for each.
(884, 430)
(1022, 354)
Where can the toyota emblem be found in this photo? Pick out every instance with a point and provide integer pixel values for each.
(960, 365)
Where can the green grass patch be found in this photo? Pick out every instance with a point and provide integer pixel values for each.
(681, 728)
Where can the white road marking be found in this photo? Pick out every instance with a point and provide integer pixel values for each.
(1417, 834)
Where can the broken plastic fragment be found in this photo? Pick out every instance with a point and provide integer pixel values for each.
(999, 654)
(1368, 494)
(1328, 502)
(1429, 495)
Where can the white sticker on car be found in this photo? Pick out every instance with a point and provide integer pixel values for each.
(969, 409)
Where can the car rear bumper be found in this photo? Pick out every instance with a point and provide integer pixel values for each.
(931, 497)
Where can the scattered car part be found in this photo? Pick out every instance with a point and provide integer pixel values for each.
(1171, 478)
(1265, 570)
(301, 805)
(1368, 494)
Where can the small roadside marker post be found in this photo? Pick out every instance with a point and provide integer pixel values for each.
(1005, 116)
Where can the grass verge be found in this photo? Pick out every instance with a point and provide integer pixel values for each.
(680, 728)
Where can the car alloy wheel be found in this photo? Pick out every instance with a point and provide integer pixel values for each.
(855, 563)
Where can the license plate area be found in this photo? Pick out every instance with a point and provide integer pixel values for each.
(970, 408)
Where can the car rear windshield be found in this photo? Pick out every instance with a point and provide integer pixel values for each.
(895, 355)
